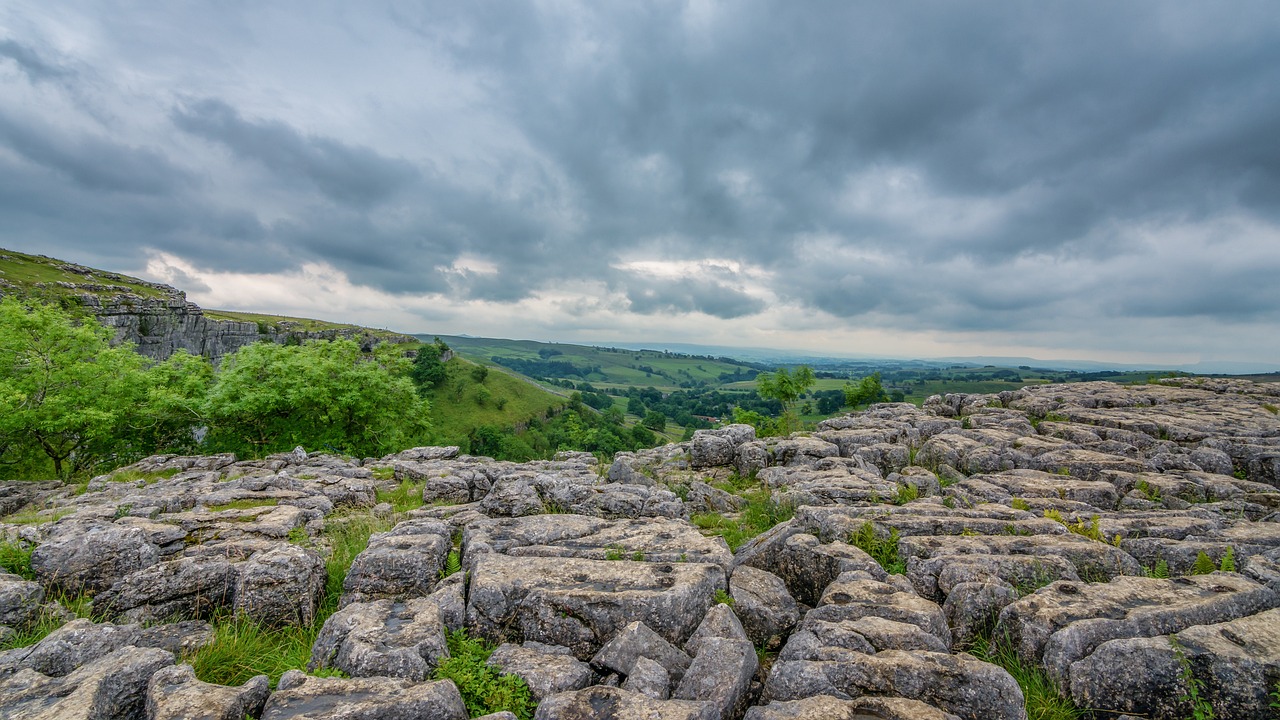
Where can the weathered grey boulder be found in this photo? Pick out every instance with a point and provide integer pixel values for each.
(703, 498)
(637, 641)
(866, 635)
(648, 677)
(300, 697)
(513, 496)
(801, 450)
(611, 703)
(712, 448)
(174, 693)
(112, 687)
(1235, 663)
(959, 684)
(581, 604)
(1065, 622)
(825, 707)
(805, 564)
(720, 621)
(92, 559)
(547, 669)
(581, 536)
(762, 603)
(192, 587)
(972, 608)
(402, 563)
(382, 638)
(281, 586)
(855, 595)
(76, 643)
(19, 601)
(721, 674)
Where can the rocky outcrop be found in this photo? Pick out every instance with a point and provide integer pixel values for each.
(1122, 541)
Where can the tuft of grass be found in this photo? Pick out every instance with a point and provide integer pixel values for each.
(760, 513)
(1193, 688)
(78, 605)
(1151, 491)
(1091, 530)
(723, 598)
(15, 558)
(1271, 408)
(245, 504)
(1043, 701)
(906, 493)
(484, 690)
(403, 497)
(882, 550)
(1019, 504)
(242, 648)
(384, 473)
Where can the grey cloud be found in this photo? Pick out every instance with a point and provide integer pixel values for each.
(30, 61)
(92, 162)
(686, 295)
(346, 173)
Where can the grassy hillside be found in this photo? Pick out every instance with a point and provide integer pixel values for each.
(38, 275)
(459, 406)
(284, 323)
(600, 366)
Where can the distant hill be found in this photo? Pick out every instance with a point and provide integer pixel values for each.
(604, 367)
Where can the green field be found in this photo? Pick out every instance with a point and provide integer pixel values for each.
(601, 367)
(458, 406)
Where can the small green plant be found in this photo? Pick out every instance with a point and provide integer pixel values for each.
(1019, 504)
(1151, 491)
(1228, 563)
(46, 622)
(123, 510)
(949, 502)
(906, 493)
(1271, 408)
(1275, 697)
(1091, 530)
(299, 536)
(760, 513)
(452, 564)
(484, 690)
(1193, 688)
(722, 597)
(1161, 570)
(1204, 564)
(638, 556)
(1064, 471)
(882, 550)
(613, 553)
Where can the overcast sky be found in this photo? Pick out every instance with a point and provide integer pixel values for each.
(1093, 180)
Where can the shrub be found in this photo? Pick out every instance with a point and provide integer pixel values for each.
(882, 550)
(1204, 564)
(484, 690)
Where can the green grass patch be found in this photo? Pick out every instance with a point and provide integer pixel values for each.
(47, 622)
(484, 690)
(16, 558)
(245, 504)
(242, 648)
(455, 414)
(36, 516)
(133, 476)
(1043, 701)
(759, 514)
(25, 271)
(403, 497)
(882, 550)
(287, 324)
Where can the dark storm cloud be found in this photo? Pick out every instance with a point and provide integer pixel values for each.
(931, 166)
(91, 162)
(345, 173)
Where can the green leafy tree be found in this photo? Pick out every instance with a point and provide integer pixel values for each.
(785, 386)
(868, 390)
(428, 368)
(173, 407)
(65, 392)
(655, 420)
(269, 398)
